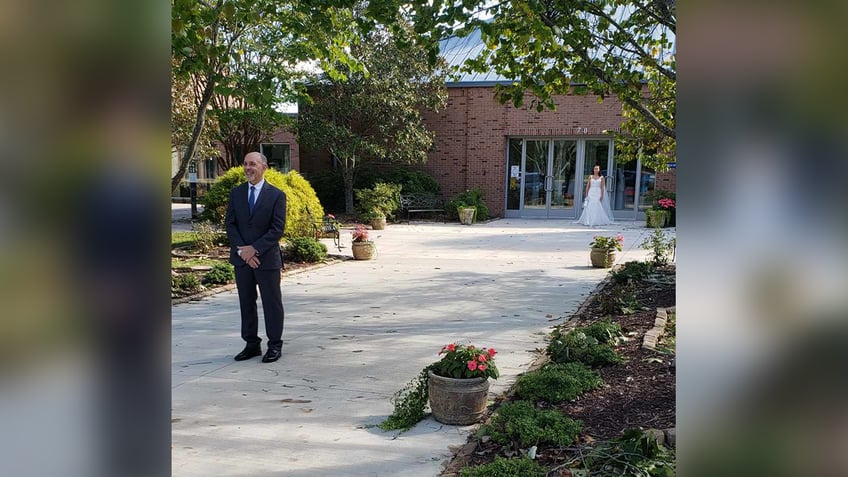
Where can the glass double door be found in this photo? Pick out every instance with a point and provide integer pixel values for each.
(542, 177)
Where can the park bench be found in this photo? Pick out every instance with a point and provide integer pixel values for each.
(419, 202)
(325, 227)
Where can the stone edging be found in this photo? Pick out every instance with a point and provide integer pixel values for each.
(653, 335)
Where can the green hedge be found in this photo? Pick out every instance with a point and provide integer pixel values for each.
(299, 194)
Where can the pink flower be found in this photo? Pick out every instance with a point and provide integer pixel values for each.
(472, 365)
(482, 358)
(492, 352)
(482, 367)
(451, 347)
(619, 238)
(331, 216)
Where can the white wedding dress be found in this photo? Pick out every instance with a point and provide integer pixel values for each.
(597, 211)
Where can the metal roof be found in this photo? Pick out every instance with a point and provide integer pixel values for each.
(456, 51)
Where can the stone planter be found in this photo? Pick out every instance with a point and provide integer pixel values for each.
(378, 223)
(602, 258)
(466, 215)
(363, 250)
(656, 218)
(457, 401)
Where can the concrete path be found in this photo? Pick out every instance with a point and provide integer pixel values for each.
(357, 331)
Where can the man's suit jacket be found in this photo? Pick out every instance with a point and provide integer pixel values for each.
(262, 229)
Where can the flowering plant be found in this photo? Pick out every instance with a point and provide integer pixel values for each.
(466, 361)
(666, 204)
(608, 243)
(360, 233)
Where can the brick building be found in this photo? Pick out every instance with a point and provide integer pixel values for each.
(528, 163)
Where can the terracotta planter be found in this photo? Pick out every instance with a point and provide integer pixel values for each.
(602, 258)
(378, 223)
(457, 401)
(363, 250)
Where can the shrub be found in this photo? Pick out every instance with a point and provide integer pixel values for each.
(521, 423)
(299, 194)
(469, 198)
(577, 346)
(661, 247)
(604, 331)
(185, 282)
(329, 187)
(620, 300)
(413, 181)
(305, 249)
(632, 271)
(501, 467)
(382, 200)
(220, 274)
(634, 453)
(207, 237)
(557, 383)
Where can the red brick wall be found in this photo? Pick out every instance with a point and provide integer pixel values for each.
(471, 136)
(667, 180)
(284, 136)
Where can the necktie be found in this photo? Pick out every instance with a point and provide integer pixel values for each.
(251, 199)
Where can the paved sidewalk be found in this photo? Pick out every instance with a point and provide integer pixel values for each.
(357, 331)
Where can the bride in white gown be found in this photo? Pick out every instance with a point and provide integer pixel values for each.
(597, 210)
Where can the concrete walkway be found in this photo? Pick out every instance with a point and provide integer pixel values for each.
(357, 331)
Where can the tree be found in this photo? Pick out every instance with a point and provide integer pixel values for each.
(184, 103)
(375, 114)
(549, 47)
(206, 34)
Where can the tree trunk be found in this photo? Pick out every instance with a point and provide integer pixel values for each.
(195, 134)
(348, 175)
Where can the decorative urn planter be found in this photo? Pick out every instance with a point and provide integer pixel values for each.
(363, 250)
(378, 223)
(466, 215)
(656, 218)
(457, 401)
(602, 258)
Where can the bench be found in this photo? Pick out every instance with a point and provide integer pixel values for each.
(421, 202)
(324, 227)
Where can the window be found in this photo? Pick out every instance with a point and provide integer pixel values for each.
(279, 156)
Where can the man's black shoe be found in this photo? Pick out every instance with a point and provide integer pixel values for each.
(271, 355)
(248, 352)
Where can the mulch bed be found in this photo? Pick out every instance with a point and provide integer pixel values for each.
(639, 393)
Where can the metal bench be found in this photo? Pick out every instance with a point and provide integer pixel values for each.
(420, 202)
(324, 227)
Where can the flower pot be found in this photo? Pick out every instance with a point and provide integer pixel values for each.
(602, 258)
(363, 250)
(656, 218)
(457, 401)
(466, 215)
(378, 223)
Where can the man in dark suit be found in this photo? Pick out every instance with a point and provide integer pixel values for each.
(256, 219)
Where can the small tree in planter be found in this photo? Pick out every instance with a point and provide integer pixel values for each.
(379, 202)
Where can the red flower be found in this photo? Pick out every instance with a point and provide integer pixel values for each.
(492, 352)
(451, 347)
(472, 365)
(482, 358)
(482, 367)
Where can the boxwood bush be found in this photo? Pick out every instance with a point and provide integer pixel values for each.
(299, 195)
(305, 249)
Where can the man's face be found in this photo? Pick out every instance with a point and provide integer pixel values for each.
(254, 168)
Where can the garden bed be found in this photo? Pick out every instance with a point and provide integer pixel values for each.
(638, 393)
